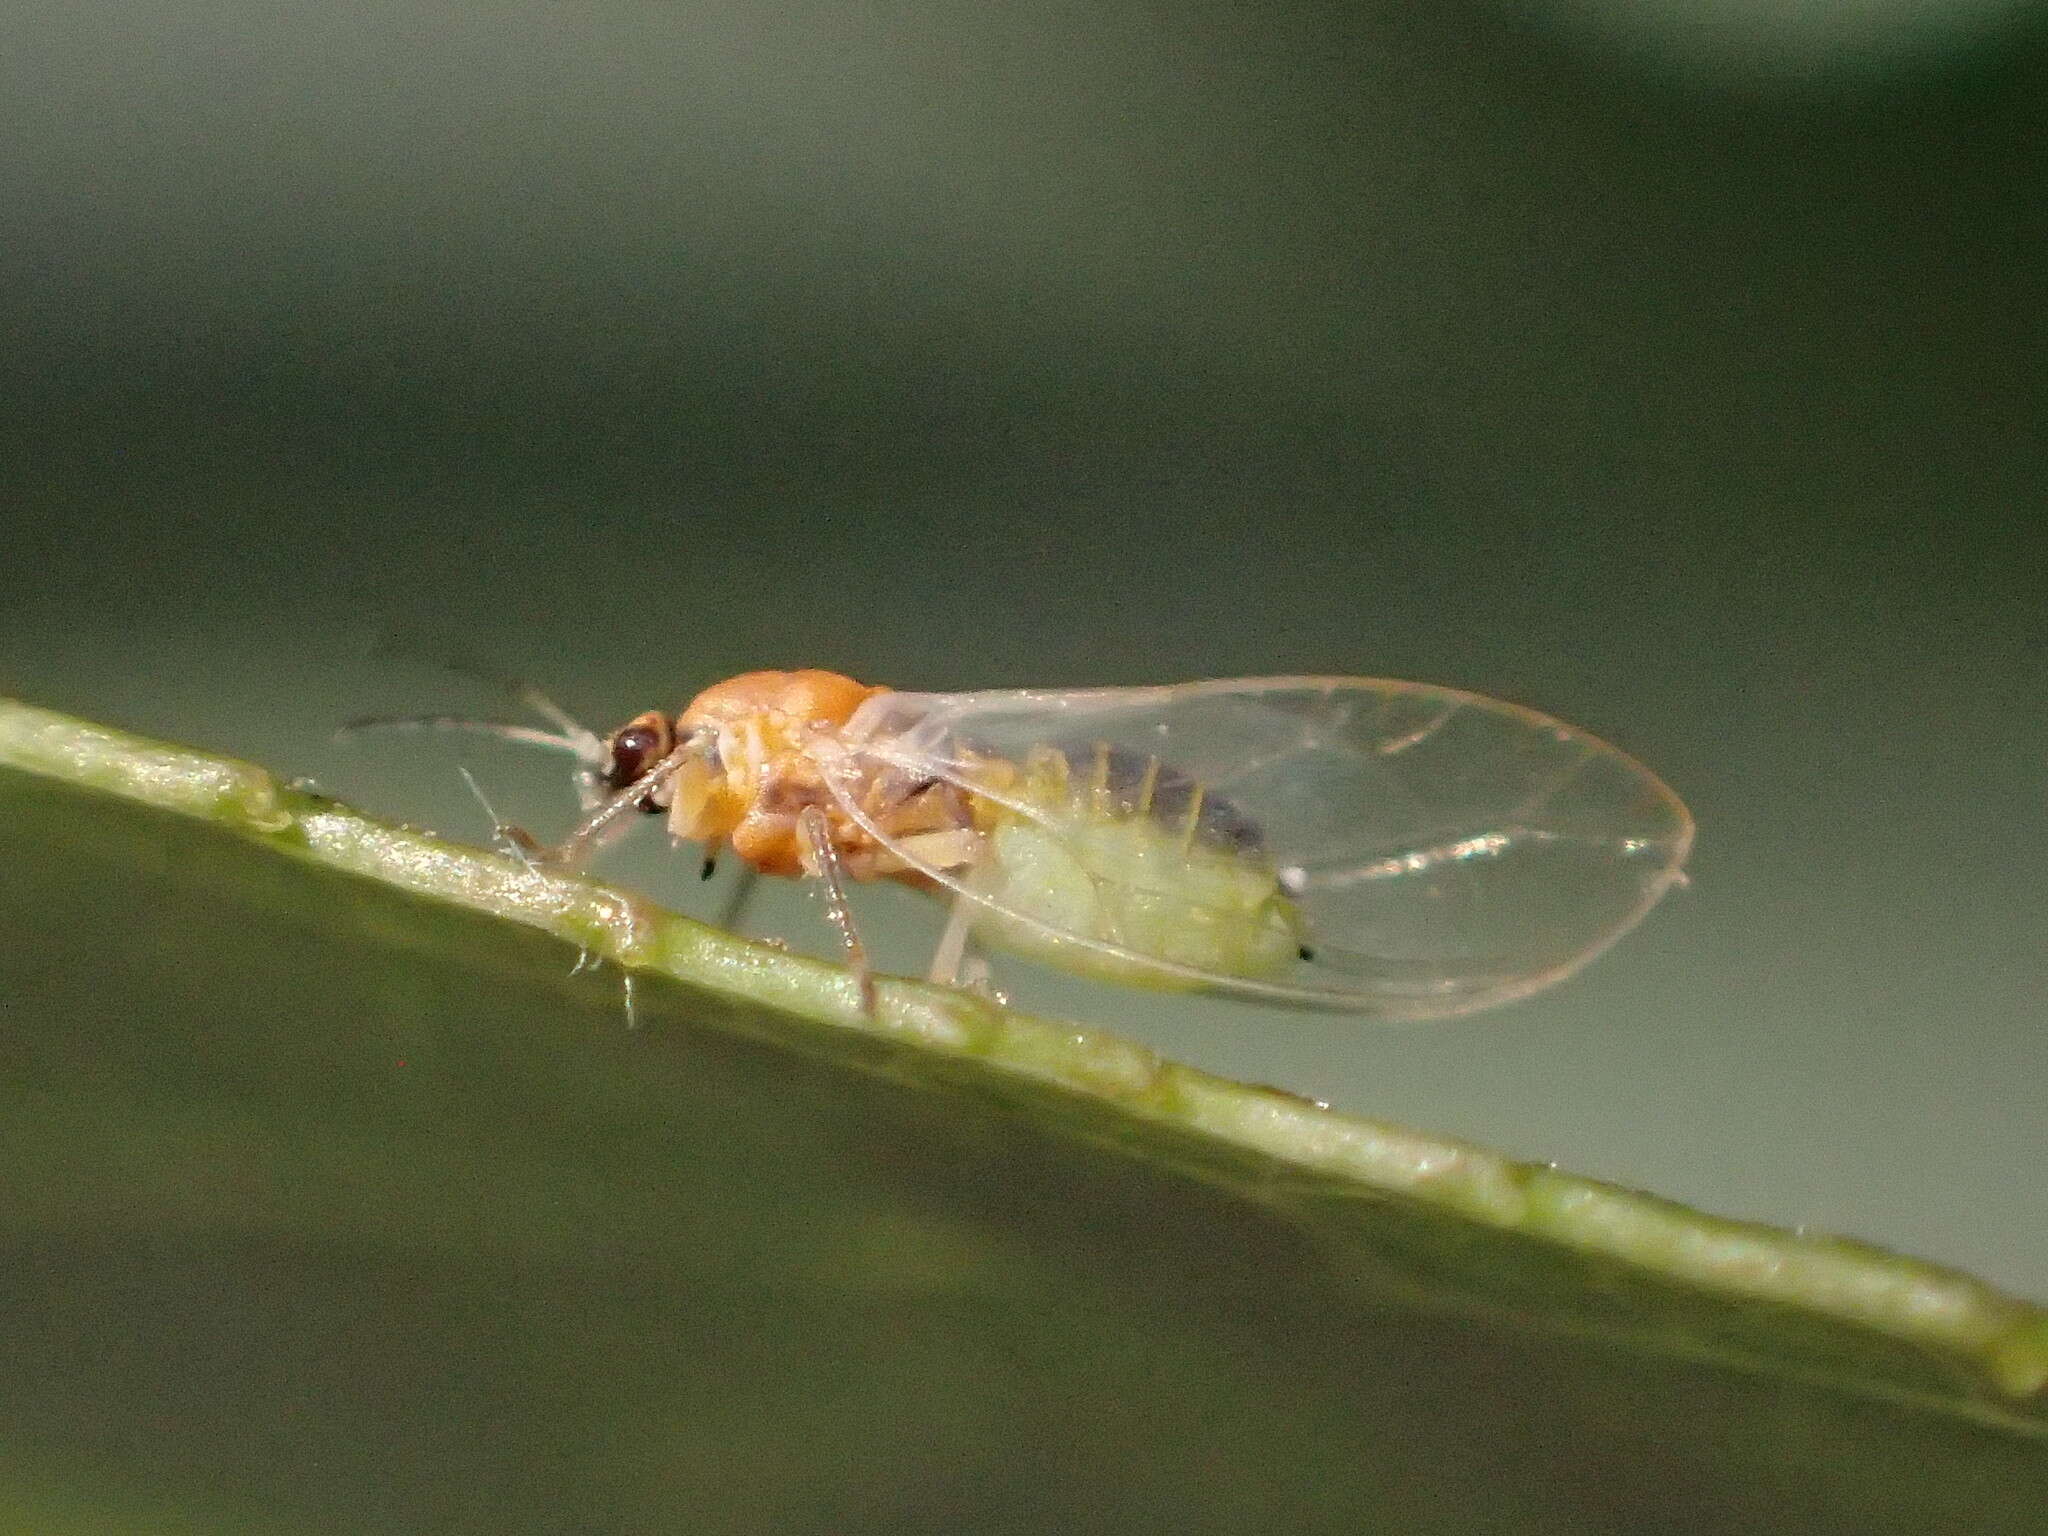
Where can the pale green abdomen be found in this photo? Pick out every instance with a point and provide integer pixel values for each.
(1129, 880)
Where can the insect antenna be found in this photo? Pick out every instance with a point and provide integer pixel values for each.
(520, 691)
(504, 730)
(517, 689)
(569, 734)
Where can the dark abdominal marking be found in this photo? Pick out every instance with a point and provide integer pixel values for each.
(1218, 823)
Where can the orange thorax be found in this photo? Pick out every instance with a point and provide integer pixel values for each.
(766, 725)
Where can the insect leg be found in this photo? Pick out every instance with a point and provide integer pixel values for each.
(957, 962)
(516, 841)
(945, 968)
(574, 849)
(978, 978)
(522, 845)
(814, 835)
(738, 899)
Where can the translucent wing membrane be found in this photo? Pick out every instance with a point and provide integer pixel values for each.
(1380, 847)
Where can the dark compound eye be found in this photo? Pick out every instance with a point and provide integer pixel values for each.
(635, 749)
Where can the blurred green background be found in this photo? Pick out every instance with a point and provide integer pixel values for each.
(1679, 372)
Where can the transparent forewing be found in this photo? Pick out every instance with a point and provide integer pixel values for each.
(1443, 851)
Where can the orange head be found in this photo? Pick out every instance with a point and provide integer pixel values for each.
(754, 769)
